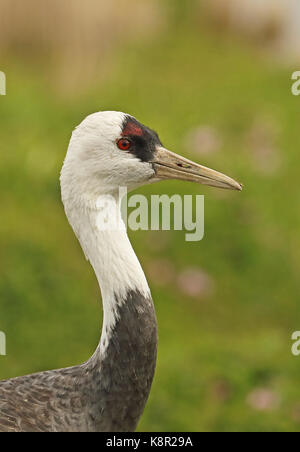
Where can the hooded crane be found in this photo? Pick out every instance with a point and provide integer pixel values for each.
(108, 392)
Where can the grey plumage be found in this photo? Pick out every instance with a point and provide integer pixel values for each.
(106, 393)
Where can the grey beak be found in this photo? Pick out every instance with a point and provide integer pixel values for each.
(168, 165)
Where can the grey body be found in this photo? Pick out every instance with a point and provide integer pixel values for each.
(108, 393)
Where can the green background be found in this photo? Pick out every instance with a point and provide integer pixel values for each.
(224, 361)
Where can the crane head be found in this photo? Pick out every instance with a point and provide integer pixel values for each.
(111, 149)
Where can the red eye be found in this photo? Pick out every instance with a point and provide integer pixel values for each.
(123, 144)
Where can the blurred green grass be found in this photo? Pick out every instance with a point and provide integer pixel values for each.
(216, 351)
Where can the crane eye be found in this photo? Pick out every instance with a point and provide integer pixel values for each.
(123, 144)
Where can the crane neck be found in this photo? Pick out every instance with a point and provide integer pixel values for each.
(103, 237)
(124, 363)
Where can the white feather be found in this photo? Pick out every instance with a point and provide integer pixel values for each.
(94, 167)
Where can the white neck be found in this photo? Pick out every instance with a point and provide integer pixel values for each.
(109, 251)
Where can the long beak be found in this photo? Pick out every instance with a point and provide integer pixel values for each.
(168, 165)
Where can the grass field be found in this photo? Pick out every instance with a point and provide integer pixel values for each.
(225, 361)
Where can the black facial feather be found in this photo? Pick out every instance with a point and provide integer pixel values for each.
(143, 140)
